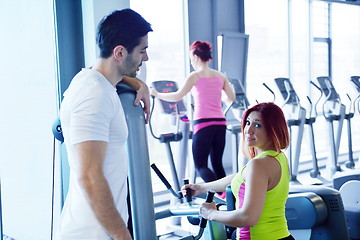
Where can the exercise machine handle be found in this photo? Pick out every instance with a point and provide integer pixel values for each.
(188, 192)
(270, 90)
(209, 199)
(163, 179)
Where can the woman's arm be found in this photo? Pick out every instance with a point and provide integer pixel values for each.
(179, 94)
(257, 178)
(217, 186)
(229, 90)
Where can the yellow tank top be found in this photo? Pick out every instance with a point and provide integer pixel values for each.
(272, 224)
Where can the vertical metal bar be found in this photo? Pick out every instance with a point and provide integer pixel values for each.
(1, 225)
(181, 163)
(300, 133)
(141, 194)
(329, 37)
(172, 166)
(290, 40)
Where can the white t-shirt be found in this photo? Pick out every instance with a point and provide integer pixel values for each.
(91, 110)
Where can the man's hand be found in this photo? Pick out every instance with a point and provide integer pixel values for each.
(143, 94)
(153, 92)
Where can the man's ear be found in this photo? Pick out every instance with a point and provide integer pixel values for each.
(119, 52)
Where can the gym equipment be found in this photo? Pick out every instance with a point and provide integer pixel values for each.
(239, 106)
(168, 186)
(178, 110)
(336, 112)
(141, 195)
(271, 91)
(214, 231)
(352, 207)
(312, 212)
(203, 221)
(166, 86)
(57, 131)
(64, 166)
(142, 198)
(315, 173)
(333, 110)
(348, 116)
(296, 118)
(342, 178)
(356, 81)
(317, 208)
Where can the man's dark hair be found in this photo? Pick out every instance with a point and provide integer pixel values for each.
(121, 27)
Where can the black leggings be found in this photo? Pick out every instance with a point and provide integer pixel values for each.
(207, 141)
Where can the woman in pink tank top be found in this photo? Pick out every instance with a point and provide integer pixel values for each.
(206, 86)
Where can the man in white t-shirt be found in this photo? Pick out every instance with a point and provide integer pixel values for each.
(95, 131)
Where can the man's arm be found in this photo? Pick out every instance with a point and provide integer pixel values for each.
(143, 93)
(91, 155)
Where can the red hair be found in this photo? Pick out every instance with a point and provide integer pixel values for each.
(202, 50)
(274, 122)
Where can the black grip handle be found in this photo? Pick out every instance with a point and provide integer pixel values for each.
(188, 191)
(209, 199)
(161, 176)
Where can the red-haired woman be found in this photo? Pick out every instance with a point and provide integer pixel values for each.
(206, 86)
(261, 188)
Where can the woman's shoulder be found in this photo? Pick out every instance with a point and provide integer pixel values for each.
(264, 162)
(193, 77)
(208, 73)
(216, 73)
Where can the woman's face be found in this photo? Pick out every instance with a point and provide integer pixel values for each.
(255, 133)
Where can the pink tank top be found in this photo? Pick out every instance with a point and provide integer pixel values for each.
(207, 101)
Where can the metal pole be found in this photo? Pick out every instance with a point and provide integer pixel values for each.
(181, 163)
(1, 225)
(141, 194)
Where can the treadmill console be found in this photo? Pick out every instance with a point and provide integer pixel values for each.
(166, 86)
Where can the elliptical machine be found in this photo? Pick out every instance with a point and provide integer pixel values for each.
(296, 118)
(333, 111)
(356, 81)
(178, 110)
(239, 106)
(331, 226)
